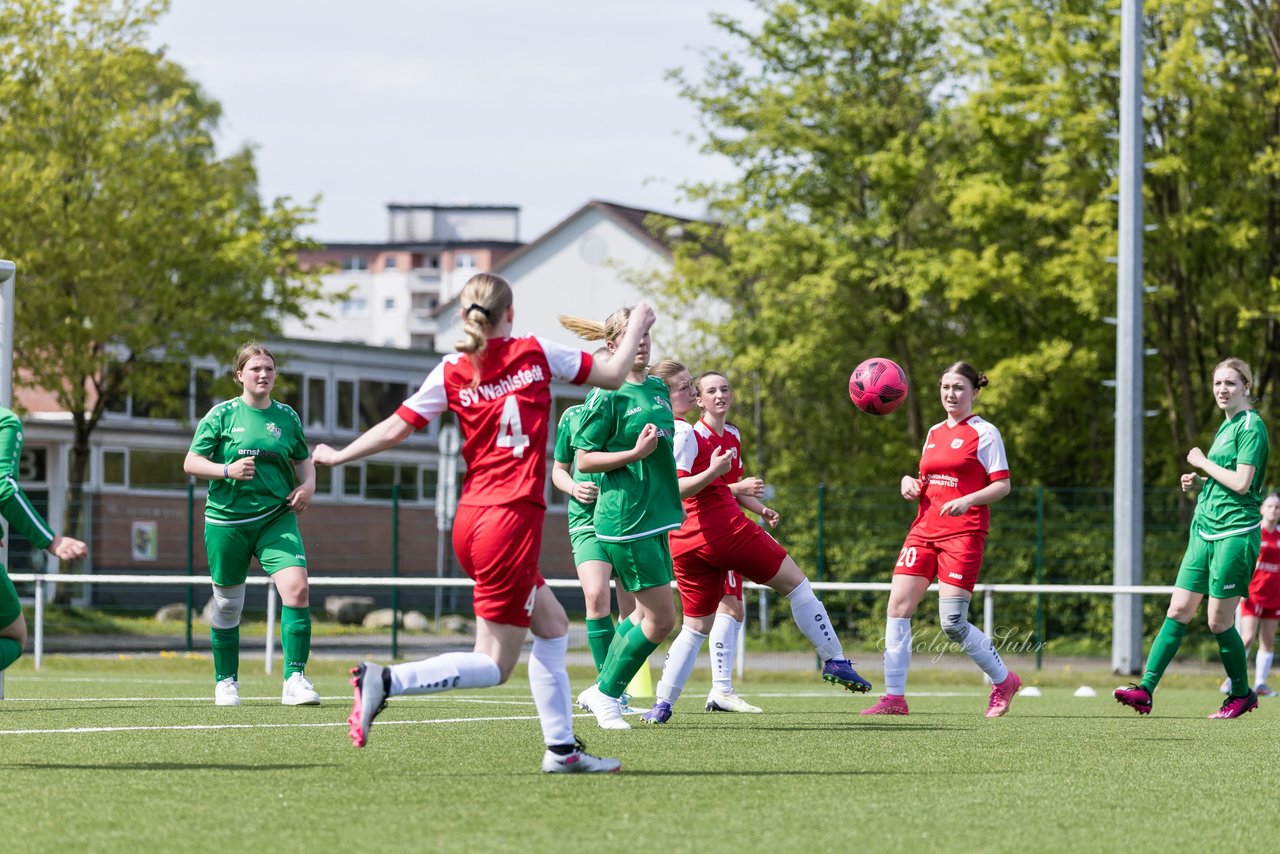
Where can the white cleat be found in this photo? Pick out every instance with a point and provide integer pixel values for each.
(226, 693)
(578, 762)
(607, 710)
(298, 691)
(370, 697)
(582, 699)
(731, 702)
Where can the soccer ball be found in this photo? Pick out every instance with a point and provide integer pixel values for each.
(878, 386)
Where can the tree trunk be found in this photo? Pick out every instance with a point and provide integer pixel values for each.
(77, 522)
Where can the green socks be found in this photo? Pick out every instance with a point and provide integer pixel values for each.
(1163, 649)
(226, 653)
(295, 638)
(599, 636)
(626, 656)
(10, 651)
(1231, 651)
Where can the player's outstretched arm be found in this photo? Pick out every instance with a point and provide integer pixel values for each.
(609, 373)
(390, 432)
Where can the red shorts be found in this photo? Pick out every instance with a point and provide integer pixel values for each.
(700, 569)
(1249, 609)
(733, 585)
(954, 561)
(498, 548)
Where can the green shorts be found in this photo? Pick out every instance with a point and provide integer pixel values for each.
(640, 564)
(275, 542)
(586, 547)
(1221, 568)
(10, 605)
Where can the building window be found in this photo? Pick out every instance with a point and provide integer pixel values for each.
(378, 400)
(355, 263)
(317, 392)
(389, 304)
(356, 307)
(113, 468)
(422, 342)
(346, 419)
(156, 469)
(390, 262)
(465, 262)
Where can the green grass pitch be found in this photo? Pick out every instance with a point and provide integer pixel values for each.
(104, 755)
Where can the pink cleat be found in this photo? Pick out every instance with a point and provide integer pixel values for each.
(1235, 707)
(1002, 695)
(1135, 697)
(890, 704)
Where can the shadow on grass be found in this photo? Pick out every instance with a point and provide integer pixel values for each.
(161, 766)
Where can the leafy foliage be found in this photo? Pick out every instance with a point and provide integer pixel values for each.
(134, 239)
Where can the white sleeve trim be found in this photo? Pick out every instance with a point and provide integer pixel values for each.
(991, 451)
(685, 446)
(565, 362)
(430, 399)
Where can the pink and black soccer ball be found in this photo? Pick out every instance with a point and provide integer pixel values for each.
(878, 386)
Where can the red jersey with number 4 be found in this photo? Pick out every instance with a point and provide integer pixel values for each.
(1264, 589)
(713, 510)
(958, 460)
(503, 419)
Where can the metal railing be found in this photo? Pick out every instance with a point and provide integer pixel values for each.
(988, 592)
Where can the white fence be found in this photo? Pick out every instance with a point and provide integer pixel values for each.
(41, 582)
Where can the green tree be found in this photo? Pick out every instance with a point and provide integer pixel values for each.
(931, 181)
(135, 240)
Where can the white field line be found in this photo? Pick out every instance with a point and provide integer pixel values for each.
(207, 727)
(207, 700)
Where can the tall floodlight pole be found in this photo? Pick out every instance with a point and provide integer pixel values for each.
(1126, 641)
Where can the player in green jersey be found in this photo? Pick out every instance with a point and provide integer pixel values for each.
(594, 569)
(1223, 544)
(625, 436)
(27, 520)
(252, 450)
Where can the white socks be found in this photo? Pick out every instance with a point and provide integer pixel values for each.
(681, 657)
(1262, 667)
(897, 655)
(549, 682)
(811, 617)
(445, 673)
(724, 649)
(983, 652)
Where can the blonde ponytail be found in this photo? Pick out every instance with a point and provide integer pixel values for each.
(593, 330)
(485, 298)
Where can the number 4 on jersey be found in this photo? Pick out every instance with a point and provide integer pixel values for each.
(510, 433)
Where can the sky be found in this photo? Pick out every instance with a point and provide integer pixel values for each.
(543, 104)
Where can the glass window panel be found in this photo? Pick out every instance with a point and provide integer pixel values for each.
(207, 392)
(408, 483)
(378, 400)
(288, 390)
(346, 405)
(351, 480)
(378, 479)
(324, 480)
(113, 467)
(317, 392)
(429, 482)
(157, 469)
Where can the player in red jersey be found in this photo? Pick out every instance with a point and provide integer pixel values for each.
(1260, 611)
(716, 535)
(963, 469)
(499, 388)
